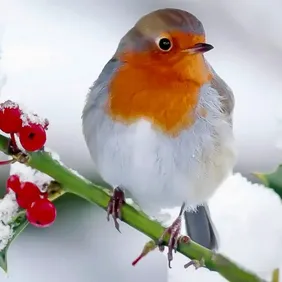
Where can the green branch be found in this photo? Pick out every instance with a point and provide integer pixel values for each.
(73, 183)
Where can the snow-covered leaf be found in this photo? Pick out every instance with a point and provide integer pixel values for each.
(10, 224)
(18, 226)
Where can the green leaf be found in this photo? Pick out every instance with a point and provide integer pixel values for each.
(18, 225)
(272, 180)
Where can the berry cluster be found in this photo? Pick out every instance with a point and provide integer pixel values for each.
(39, 210)
(29, 129)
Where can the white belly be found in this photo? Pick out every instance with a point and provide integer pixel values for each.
(162, 172)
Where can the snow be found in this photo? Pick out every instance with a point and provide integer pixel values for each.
(30, 117)
(248, 219)
(78, 174)
(27, 116)
(8, 209)
(130, 201)
(27, 173)
(55, 156)
(6, 232)
(9, 104)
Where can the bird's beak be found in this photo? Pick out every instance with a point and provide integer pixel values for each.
(199, 48)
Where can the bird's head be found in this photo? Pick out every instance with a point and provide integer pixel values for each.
(167, 41)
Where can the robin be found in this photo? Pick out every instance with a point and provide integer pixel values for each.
(158, 123)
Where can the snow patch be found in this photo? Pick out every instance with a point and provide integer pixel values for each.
(27, 116)
(27, 173)
(55, 156)
(8, 209)
(247, 217)
(78, 175)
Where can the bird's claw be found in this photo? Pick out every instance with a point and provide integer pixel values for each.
(196, 263)
(114, 206)
(174, 239)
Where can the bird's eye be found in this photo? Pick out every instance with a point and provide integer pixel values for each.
(165, 44)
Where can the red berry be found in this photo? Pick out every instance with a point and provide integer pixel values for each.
(27, 194)
(32, 137)
(42, 213)
(10, 119)
(13, 183)
(44, 195)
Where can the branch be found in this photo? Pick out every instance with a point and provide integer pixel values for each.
(73, 183)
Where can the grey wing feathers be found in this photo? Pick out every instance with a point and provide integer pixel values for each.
(225, 92)
(199, 225)
(100, 85)
(200, 228)
(93, 113)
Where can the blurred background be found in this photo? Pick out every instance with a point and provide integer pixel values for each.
(52, 51)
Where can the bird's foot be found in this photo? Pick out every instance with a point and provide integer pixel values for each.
(196, 263)
(114, 206)
(175, 238)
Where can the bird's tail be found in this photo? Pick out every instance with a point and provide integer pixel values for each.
(200, 228)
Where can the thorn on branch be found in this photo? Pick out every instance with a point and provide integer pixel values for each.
(53, 189)
(149, 246)
(152, 245)
(21, 157)
(7, 162)
(196, 263)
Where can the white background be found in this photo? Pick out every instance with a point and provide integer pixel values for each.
(52, 51)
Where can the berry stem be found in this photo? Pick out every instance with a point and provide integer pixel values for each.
(13, 148)
(7, 162)
(13, 140)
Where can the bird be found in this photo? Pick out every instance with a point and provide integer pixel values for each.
(158, 124)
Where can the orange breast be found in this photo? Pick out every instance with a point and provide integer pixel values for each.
(167, 100)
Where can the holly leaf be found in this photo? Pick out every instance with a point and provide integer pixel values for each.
(18, 225)
(272, 180)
